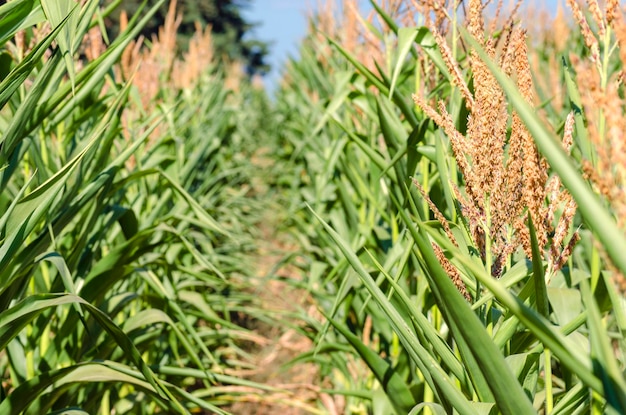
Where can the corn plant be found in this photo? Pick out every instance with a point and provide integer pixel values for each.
(122, 226)
(454, 246)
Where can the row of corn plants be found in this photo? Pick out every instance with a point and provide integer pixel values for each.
(458, 185)
(124, 221)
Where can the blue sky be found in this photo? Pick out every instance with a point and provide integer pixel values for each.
(283, 22)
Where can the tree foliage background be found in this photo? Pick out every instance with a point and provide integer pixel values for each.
(231, 31)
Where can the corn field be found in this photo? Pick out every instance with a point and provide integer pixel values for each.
(429, 216)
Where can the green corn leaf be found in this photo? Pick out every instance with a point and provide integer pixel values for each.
(509, 396)
(58, 11)
(570, 355)
(14, 319)
(20, 73)
(605, 366)
(395, 387)
(12, 16)
(435, 376)
(541, 295)
(406, 37)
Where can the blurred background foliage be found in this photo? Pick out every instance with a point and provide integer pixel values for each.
(232, 38)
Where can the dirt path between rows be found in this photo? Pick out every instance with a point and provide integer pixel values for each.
(278, 266)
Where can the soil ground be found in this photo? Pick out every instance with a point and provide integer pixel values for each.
(299, 386)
